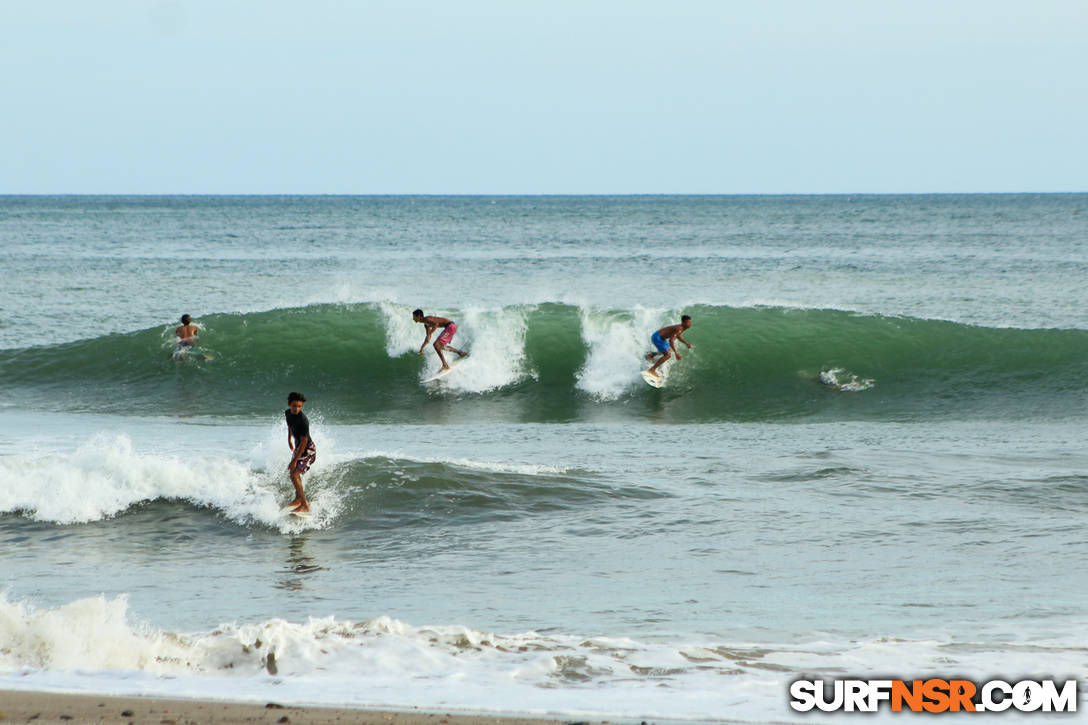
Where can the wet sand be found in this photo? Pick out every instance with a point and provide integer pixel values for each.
(44, 708)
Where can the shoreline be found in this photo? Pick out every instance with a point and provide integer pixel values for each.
(53, 708)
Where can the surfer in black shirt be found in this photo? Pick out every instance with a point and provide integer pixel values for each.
(302, 445)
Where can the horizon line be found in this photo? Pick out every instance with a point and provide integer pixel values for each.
(537, 194)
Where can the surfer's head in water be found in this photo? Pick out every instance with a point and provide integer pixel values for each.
(187, 332)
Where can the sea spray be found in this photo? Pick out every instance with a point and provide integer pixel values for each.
(107, 475)
(384, 661)
(403, 335)
(90, 633)
(493, 339)
(617, 344)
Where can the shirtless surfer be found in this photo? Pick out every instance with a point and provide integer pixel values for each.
(302, 447)
(665, 342)
(187, 332)
(449, 328)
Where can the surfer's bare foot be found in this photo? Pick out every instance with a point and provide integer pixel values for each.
(445, 368)
(655, 374)
(301, 509)
(463, 354)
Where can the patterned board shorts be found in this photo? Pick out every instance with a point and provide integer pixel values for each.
(447, 334)
(307, 458)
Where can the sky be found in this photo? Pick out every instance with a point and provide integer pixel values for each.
(513, 97)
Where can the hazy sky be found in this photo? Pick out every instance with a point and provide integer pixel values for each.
(509, 97)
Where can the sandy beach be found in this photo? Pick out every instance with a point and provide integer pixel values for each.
(43, 708)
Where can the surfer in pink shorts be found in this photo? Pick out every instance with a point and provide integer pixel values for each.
(449, 327)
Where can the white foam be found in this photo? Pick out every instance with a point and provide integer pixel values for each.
(617, 344)
(840, 379)
(106, 475)
(494, 339)
(402, 333)
(90, 645)
(92, 633)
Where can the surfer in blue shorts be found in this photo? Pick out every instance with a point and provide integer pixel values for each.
(302, 446)
(665, 342)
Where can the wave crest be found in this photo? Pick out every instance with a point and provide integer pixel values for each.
(557, 363)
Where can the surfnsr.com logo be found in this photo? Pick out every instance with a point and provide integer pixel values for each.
(933, 696)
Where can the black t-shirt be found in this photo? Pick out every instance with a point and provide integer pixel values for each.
(299, 425)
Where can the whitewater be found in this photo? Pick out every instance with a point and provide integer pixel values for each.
(871, 464)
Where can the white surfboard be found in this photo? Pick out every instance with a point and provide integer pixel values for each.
(652, 380)
(286, 511)
(657, 381)
(443, 373)
(182, 353)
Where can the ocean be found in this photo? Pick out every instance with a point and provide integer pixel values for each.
(871, 464)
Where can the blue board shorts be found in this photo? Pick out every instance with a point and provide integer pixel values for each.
(659, 342)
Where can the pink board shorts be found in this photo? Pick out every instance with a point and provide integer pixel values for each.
(447, 334)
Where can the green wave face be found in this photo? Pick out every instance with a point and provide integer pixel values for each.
(438, 493)
(556, 362)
